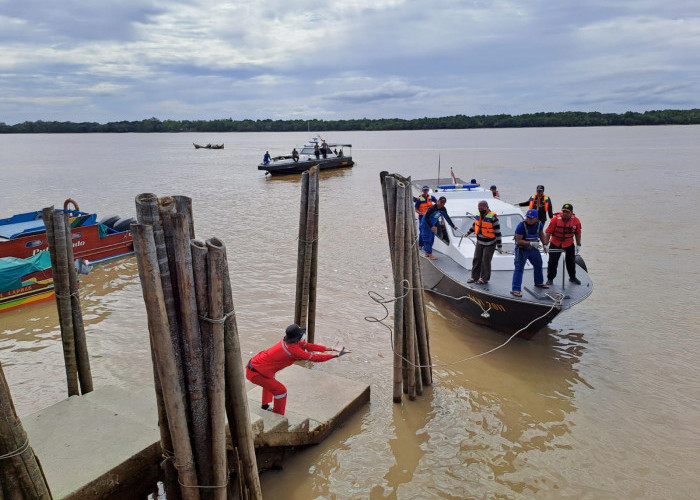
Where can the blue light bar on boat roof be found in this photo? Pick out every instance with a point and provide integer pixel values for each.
(459, 186)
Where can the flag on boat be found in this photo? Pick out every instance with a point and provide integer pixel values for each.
(454, 179)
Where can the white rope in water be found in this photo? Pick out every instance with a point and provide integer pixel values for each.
(379, 299)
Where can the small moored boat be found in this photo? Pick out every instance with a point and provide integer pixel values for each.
(208, 146)
(316, 152)
(23, 241)
(492, 304)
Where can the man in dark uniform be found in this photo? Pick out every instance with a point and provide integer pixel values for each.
(540, 202)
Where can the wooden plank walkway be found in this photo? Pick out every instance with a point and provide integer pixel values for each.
(94, 445)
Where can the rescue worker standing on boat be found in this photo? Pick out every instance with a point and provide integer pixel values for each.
(540, 202)
(488, 237)
(527, 234)
(560, 234)
(261, 369)
(423, 202)
(428, 225)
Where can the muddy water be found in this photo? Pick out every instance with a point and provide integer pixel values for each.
(602, 404)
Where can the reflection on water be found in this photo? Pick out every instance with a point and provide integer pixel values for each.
(602, 404)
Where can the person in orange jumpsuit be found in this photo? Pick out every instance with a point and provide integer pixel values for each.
(261, 369)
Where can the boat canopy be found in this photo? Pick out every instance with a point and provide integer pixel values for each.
(12, 269)
(31, 222)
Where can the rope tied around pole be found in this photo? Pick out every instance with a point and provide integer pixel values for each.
(65, 296)
(382, 301)
(220, 320)
(16, 452)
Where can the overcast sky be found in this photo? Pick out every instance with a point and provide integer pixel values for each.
(111, 60)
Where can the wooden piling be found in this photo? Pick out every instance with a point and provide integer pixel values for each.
(173, 390)
(409, 315)
(61, 282)
(177, 237)
(303, 208)
(216, 367)
(313, 273)
(147, 214)
(21, 470)
(398, 303)
(81, 350)
(237, 399)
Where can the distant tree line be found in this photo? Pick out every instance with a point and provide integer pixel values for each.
(562, 119)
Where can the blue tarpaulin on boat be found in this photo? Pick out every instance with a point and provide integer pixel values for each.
(12, 269)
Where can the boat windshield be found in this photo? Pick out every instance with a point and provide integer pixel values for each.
(508, 224)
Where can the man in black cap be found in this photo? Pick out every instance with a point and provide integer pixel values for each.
(262, 367)
(540, 202)
(560, 234)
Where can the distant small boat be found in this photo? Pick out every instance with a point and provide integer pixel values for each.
(208, 146)
(336, 155)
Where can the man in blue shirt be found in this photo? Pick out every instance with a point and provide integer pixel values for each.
(527, 234)
(428, 225)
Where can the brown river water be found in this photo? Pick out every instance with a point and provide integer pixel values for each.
(604, 403)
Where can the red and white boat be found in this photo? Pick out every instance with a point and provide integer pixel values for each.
(23, 238)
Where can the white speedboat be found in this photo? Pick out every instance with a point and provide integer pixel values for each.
(492, 304)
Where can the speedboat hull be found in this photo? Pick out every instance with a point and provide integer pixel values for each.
(283, 167)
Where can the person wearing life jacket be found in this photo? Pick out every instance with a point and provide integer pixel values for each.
(488, 238)
(561, 232)
(428, 225)
(527, 234)
(540, 202)
(423, 202)
(262, 367)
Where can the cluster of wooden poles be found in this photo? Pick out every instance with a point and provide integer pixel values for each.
(70, 315)
(198, 372)
(412, 366)
(21, 476)
(307, 262)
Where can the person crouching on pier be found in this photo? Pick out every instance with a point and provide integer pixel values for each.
(261, 369)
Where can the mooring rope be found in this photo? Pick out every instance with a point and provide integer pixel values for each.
(405, 284)
(222, 319)
(16, 452)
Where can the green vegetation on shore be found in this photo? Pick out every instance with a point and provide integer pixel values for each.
(563, 119)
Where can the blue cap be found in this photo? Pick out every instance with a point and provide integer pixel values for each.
(493, 186)
(426, 187)
(532, 213)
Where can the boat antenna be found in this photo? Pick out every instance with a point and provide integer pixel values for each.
(438, 181)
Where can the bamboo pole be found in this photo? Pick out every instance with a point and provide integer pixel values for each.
(217, 360)
(81, 350)
(384, 177)
(16, 451)
(237, 398)
(308, 251)
(183, 205)
(303, 208)
(61, 283)
(178, 242)
(391, 215)
(147, 214)
(173, 391)
(398, 292)
(313, 275)
(421, 321)
(409, 316)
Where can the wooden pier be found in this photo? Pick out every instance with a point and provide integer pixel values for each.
(106, 444)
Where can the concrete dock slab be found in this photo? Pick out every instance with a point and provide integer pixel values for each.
(91, 446)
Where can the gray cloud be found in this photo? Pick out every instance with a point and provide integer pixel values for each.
(205, 59)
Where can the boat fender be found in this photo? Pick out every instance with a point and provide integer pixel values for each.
(581, 263)
(109, 220)
(123, 224)
(71, 201)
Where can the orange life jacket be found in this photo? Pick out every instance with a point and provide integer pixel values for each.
(485, 226)
(424, 204)
(534, 198)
